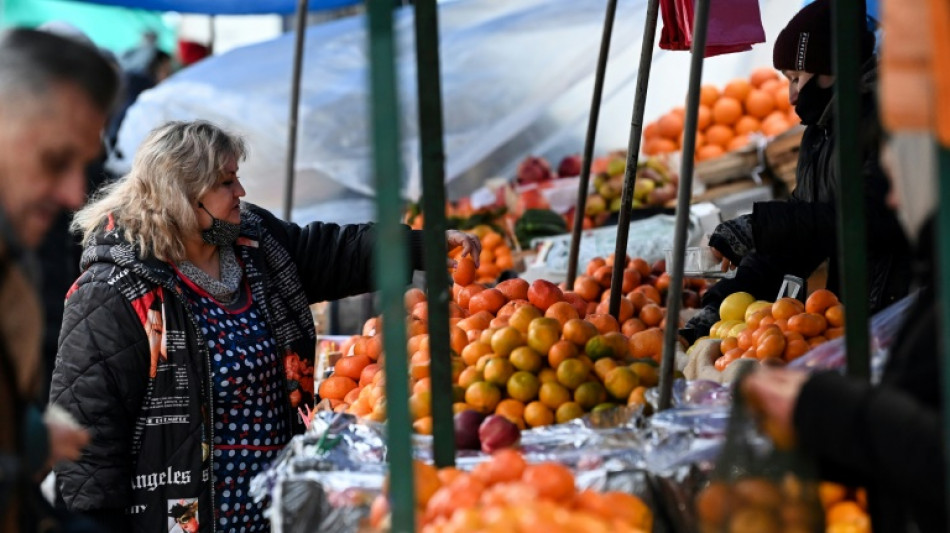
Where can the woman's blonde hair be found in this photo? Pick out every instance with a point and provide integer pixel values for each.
(177, 163)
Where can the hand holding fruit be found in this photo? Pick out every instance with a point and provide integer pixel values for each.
(471, 245)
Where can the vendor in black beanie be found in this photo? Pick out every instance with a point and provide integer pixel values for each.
(797, 236)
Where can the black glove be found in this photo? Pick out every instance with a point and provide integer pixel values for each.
(734, 238)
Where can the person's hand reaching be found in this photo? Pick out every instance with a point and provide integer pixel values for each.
(470, 244)
(772, 393)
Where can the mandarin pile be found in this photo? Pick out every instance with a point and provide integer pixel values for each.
(506, 493)
(783, 330)
(727, 117)
(532, 353)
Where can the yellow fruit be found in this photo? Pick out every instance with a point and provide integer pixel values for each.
(755, 306)
(523, 386)
(505, 340)
(524, 358)
(572, 372)
(620, 382)
(735, 305)
(590, 394)
(724, 328)
(734, 331)
(568, 411)
(554, 395)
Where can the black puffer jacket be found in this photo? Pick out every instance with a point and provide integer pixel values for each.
(887, 438)
(148, 411)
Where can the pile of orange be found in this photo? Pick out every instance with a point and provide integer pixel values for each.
(783, 330)
(495, 257)
(726, 118)
(506, 493)
(845, 509)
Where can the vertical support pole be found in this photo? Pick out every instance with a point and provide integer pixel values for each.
(428, 74)
(633, 152)
(581, 204)
(674, 296)
(300, 35)
(943, 292)
(849, 22)
(391, 268)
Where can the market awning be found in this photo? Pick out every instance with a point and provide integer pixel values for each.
(227, 7)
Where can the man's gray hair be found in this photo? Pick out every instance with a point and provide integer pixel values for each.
(32, 62)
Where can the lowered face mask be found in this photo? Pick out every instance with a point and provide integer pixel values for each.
(221, 232)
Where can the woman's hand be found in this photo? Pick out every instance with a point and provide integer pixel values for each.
(773, 393)
(470, 244)
(724, 261)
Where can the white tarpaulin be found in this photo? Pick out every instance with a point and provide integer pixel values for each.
(517, 77)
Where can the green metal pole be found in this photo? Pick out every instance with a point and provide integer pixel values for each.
(581, 204)
(674, 295)
(633, 153)
(849, 22)
(943, 289)
(428, 74)
(391, 260)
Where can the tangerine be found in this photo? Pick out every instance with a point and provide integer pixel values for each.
(464, 271)
(620, 382)
(587, 288)
(553, 395)
(543, 294)
(605, 323)
(719, 135)
(835, 316)
(738, 89)
(787, 308)
(568, 411)
(572, 373)
(708, 94)
(808, 324)
(524, 358)
(498, 370)
(578, 331)
(336, 387)
(543, 333)
(709, 151)
(562, 312)
(483, 396)
(670, 125)
(536, 414)
(470, 375)
(522, 317)
(514, 289)
(759, 103)
(505, 340)
(647, 344)
(561, 351)
(512, 409)
(523, 386)
(489, 300)
(726, 111)
(820, 300)
(552, 480)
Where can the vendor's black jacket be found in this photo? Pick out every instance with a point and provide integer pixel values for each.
(151, 436)
(887, 438)
(796, 236)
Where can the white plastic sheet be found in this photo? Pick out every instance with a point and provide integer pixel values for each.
(516, 77)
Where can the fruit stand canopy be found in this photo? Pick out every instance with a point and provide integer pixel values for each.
(517, 77)
(226, 7)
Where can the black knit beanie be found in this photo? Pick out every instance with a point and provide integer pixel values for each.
(806, 42)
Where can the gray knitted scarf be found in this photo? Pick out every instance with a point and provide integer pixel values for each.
(224, 290)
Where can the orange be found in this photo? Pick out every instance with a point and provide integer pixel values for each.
(562, 312)
(543, 333)
(787, 308)
(572, 373)
(815, 341)
(522, 317)
(466, 293)
(489, 300)
(738, 89)
(505, 340)
(650, 131)
(336, 387)
(498, 370)
(423, 426)
(604, 323)
(769, 346)
(670, 125)
(759, 103)
(458, 339)
(808, 324)
(412, 297)
(536, 414)
(470, 375)
(547, 375)
(523, 386)
(568, 411)
(603, 276)
(473, 351)
(834, 333)
(651, 315)
(524, 358)
(514, 289)
(845, 512)
(729, 343)
(561, 351)
(553, 395)
(620, 382)
(795, 349)
(507, 465)
(726, 111)
(589, 394)
(512, 410)
(366, 376)
(351, 367)
(774, 126)
(482, 396)
(647, 344)
(542, 294)
(626, 308)
(747, 124)
(703, 118)
(552, 481)
(464, 271)
(587, 288)
(631, 326)
(723, 361)
(745, 340)
(594, 264)
(761, 75)
(578, 331)
(630, 509)
(708, 94)
(780, 97)
(719, 135)
(835, 316)
(476, 322)
(709, 151)
(820, 300)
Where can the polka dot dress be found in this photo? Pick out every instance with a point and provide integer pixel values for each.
(250, 412)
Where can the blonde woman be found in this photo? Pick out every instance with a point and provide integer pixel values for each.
(232, 285)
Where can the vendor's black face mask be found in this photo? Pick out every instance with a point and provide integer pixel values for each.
(221, 232)
(812, 101)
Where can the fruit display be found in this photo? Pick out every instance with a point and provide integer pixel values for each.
(532, 353)
(784, 330)
(756, 504)
(535, 223)
(728, 117)
(494, 259)
(656, 184)
(506, 493)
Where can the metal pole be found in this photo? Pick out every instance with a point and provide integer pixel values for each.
(581, 204)
(633, 153)
(301, 28)
(391, 258)
(428, 74)
(674, 296)
(943, 290)
(849, 22)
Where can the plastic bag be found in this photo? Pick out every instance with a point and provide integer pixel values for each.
(757, 485)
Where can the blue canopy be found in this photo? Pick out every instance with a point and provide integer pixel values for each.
(227, 7)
